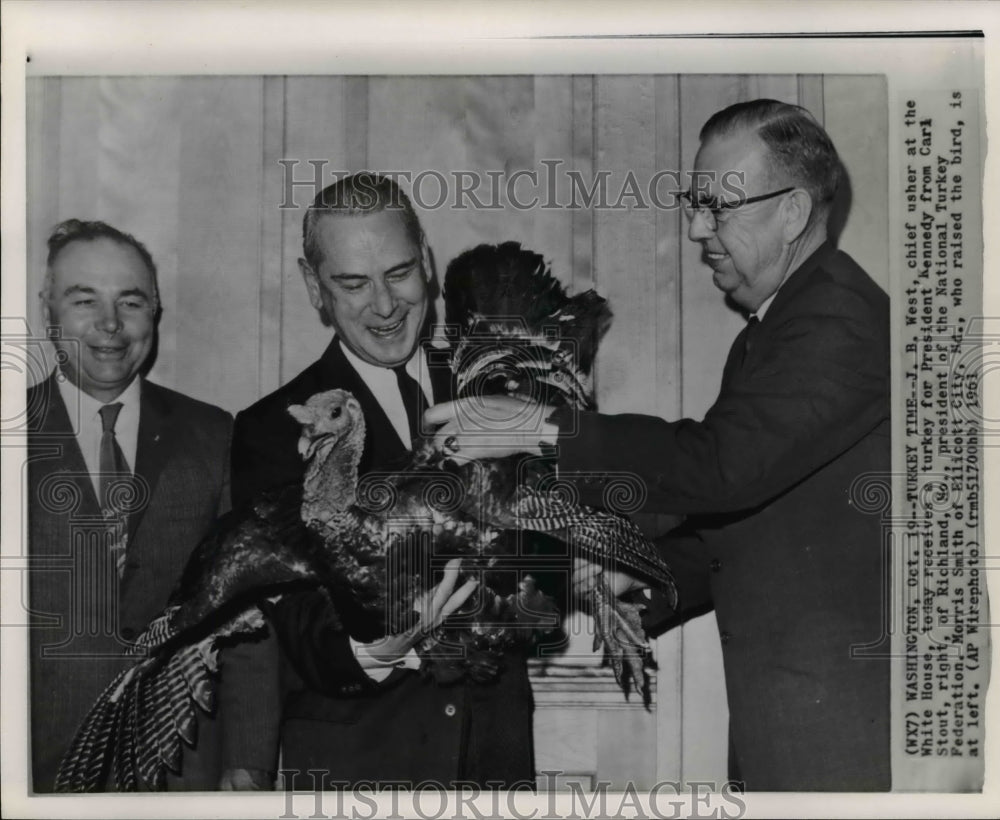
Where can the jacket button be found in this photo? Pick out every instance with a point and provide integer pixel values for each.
(450, 710)
(715, 565)
(724, 637)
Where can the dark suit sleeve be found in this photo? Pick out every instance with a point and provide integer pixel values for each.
(250, 704)
(225, 492)
(250, 693)
(265, 451)
(249, 459)
(316, 644)
(683, 550)
(819, 386)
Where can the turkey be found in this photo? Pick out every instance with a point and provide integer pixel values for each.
(382, 540)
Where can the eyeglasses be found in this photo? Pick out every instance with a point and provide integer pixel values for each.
(720, 210)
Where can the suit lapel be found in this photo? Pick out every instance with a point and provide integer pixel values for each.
(799, 280)
(383, 446)
(784, 301)
(54, 447)
(156, 435)
(442, 379)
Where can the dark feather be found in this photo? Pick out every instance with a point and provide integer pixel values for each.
(197, 676)
(147, 752)
(181, 707)
(96, 772)
(126, 779)
(87, 751)
(507, 296)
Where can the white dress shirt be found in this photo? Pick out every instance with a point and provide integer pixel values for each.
(385, 388)
(763, 308)
(85, 419)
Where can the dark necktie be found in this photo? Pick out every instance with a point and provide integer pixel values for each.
(113, 467)
(749, 335)
(414, 399)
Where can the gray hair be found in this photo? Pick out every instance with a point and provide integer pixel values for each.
(798, 147)
(358, 195)
(78, 230)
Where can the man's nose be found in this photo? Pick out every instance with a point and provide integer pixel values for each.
(384, 301)
(702, 225)
(109, 321)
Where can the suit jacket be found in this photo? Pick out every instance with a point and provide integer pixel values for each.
(778, 539)
(330, 714)
(82, 616)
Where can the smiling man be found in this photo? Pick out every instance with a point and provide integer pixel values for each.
(776, 539)
(338, 700)
(124, 479)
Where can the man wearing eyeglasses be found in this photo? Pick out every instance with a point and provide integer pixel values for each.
(776, 538)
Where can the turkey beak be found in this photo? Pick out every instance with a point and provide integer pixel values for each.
(307, 447)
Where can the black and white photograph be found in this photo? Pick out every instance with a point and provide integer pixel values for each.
(578, 418)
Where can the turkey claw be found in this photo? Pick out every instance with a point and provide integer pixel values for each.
(619, 629)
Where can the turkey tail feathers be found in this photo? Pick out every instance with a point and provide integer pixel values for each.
(135, 730)
(518, 328)
(601, 536)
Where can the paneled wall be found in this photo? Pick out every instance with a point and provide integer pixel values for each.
(192, 167)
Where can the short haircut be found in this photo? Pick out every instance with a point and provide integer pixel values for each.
(798, 147)
(78, 230)
(357, 195)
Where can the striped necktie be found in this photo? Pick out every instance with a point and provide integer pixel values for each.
(113, 468)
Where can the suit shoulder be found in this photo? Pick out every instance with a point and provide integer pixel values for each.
(38, 403)
(847, 276)
(199, 412)
(296, 391)
(839, 289)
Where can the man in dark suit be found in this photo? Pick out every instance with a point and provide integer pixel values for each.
(124, 478)
(348, 702)
(776, 538)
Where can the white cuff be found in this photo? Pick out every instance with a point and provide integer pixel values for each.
(377, 669)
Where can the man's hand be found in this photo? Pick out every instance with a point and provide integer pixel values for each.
(434, 607)
(490, 427)
(586, 575)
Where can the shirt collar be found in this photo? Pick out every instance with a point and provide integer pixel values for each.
(90, 407)
(759, 313)
(415, 365)
(814, 259)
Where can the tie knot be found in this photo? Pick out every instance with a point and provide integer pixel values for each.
(403, 377)
(109, 415)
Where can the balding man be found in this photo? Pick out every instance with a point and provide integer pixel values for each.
(124, 479)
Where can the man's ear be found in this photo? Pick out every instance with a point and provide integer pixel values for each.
(312, 284)
(798, 208)
(425, 259)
